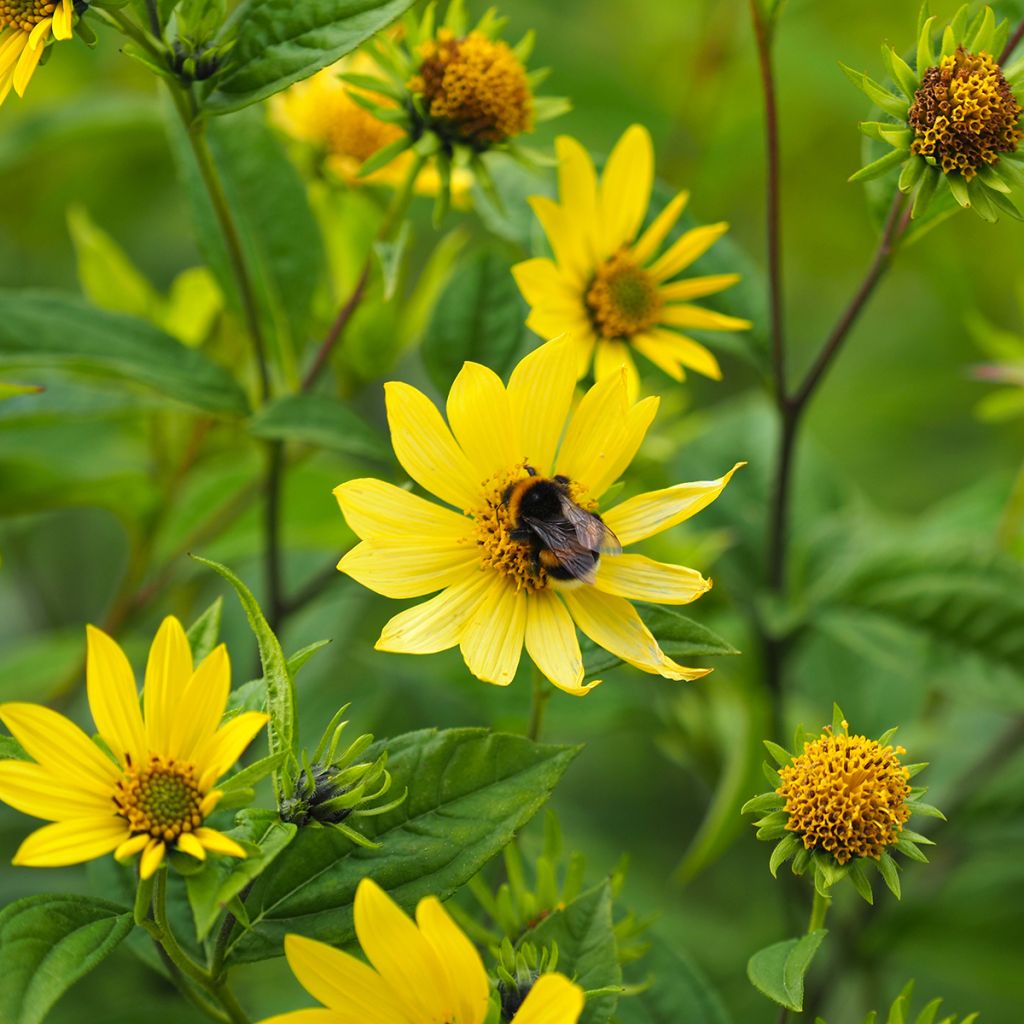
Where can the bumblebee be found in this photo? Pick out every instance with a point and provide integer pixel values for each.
(567, 541)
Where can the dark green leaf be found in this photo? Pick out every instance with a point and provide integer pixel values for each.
(10, 747)
(778, 970)
(319, 420)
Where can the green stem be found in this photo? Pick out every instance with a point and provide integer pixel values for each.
(819, 910)
(1012, 522)
(539, 698)
(143, 901)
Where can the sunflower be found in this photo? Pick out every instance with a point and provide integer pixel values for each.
(496, 595)
(154, 788)
(422, 973)
(607, 286)
(954, 118)
(25, 29)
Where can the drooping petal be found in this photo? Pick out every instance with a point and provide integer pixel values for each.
(699, 318)
(168, 671)
(62, 20)
(639, 578)
(552, 643)
(492, 642)
(426, 449)
(217, 842)
(216, 755)
(592, 439)
(610, 357)
(437, 624)
(540, 393)
(113, 698)
(696, 287)
(686, 249)
(341, 982)
(11, 45)
(60, 747)
(553, 999)
(482, 422)
(202, 705)
(409, 570)
(668, 350)
(151, 859)
(130, 847)
(613, 623)
(44, 793)
(187, 843)
(30, 57)
(379, 511)
(71, 842)
(467, 978)
(648, 243)
(647, 514)
(626, 189)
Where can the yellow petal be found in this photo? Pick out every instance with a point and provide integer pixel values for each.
(492, 642)
(409, 570)
(187, 843)
(202, 705)
(552, 643)
(542, 284)
(130, 847)
(652, 347)
(340, 981)
(481, 420)
(467, 978)
(553, 999)
(650, 513)
(685, 250)
(29, 59)
(43, 793)
(569, 241)
(577, 191)
(319, 1016)
(62, 20)
(540, 393)
(696, 287)
(426, 449)
(592, 437)
(113, 699)
(168, 671)
(613, 623)
(671, 351)
(378, 511)
(71, 842)
(552, 320)
(152, 858)
(639, 578)
(437, 624)
(626, 189)
(698, 318)
(648, 243)
(610, 357)
(60, 747)
(217, 754)
(11, 46)
(40, 33)
(217, 842)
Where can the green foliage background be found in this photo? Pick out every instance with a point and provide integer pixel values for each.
(897, 472)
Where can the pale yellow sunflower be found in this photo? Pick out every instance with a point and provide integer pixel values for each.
(423, 972)
(495, 595)
(608, 287)
(25, 29)
(155, 787)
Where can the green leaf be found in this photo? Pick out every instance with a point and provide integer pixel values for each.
(587, 951)
(252, 696)
(890, 872)
(319, 420)
(283, 730)
(469, 792)
(278, 42)
(205, 631)
(40, 328)
(10, 747)
(778, 970)
(48, 942)
(479, 317)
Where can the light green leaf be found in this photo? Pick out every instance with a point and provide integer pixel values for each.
(10, 747)
(778, 970)
(192, 306)
(322, 421)
(205, 631)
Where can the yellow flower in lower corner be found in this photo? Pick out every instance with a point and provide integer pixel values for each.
(25, 29)
(608, 286)
(425, 972)
(157, 788)
(522, 556)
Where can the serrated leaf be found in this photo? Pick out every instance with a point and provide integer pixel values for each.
(319, 420)
(778, 970)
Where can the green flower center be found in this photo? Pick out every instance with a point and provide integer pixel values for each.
(623, 298)
(162, 799)
(24, 14)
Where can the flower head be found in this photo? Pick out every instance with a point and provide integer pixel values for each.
(25, 30)
(501, 585)
(610, 287)
(156, 790)
(955, 119)
(422, 972)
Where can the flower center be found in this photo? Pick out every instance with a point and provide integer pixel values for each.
(494, 528)
(162, 798)
(964, 114)
(354, 131)
(623, 298)
(846, 795)
(475, 87)
(25, 14)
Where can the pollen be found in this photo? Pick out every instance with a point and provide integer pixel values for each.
(965, 114)
(474, 88)
(24, 14)
(161, 799)
(623, 298)
(498, 549)
(846, 795)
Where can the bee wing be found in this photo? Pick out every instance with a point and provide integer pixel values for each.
(590, 529)
(560, 538)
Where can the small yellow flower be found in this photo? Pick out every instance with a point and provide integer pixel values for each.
(607, 286)
(157, 789)
(25, 29)
(425, 972)
(496, 595)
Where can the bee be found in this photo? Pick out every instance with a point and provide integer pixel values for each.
(567, 541)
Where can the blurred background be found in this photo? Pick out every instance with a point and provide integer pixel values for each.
(895, 451)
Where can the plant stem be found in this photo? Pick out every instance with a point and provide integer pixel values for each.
(143, 901)
(539, 697)
(1012, 522)
(1011, 43)
(819, 910)
(272, 546)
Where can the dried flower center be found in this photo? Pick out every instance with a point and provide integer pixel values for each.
(162, 798)
(494, 526)
(965, 114)
(846, 795)
(474, 87)
(354, 131)
(623, 298)
(24, 14)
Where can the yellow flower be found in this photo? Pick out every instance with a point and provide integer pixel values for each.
(607, 286)
(425, 972)
(25, 28)
(156, 789)
(496, 595)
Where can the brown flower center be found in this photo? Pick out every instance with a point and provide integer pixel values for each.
(964, 114)
(24, 14)
(623, 298)
(162, 798)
